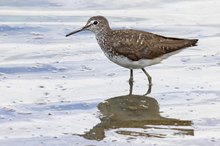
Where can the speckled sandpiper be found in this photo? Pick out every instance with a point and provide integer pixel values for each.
(133, 49)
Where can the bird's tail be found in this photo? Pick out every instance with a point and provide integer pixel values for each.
(193, 42)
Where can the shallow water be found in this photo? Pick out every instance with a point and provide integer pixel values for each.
(63, 91)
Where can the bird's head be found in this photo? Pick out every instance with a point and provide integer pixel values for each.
(96, 24)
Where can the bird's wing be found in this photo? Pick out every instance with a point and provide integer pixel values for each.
(143, 45)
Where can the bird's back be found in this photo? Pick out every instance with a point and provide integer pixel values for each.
(136, 45)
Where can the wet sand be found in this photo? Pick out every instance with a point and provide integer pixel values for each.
(64, 91)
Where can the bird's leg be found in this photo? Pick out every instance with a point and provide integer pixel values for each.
(131, 81)
(149, 90)
(131, 77)
(148, 77)
(149, 80)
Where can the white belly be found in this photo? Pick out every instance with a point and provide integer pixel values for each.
(127, 63)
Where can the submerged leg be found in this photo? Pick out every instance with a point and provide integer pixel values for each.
(131, 81)
(149, 80)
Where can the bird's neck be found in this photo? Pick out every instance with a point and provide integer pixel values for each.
(103, 38)
(103, 32)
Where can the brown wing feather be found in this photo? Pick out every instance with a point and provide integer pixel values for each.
(138, 45)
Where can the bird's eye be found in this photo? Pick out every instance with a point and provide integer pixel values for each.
(95, 22)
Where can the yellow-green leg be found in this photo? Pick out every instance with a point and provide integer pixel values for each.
(131, 80)
(149, 80)
(148, 77)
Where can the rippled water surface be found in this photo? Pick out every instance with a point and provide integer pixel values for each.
(64, 91)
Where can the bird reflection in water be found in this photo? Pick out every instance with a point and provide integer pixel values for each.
(128, 113)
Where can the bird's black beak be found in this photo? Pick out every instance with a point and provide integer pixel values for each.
(81, 29)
